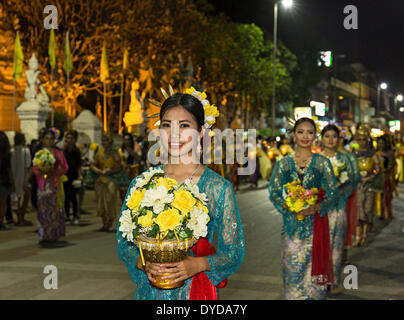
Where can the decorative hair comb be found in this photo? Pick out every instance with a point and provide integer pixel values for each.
(211, 112)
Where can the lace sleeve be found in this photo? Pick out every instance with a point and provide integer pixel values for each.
(329, 184)
(349, 187)
(128, 252)
(231, 246)
(275, 188)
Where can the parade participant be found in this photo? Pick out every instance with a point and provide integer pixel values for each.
(387, 165)
(6, 176)
(21, 163)
(130, 159)
(286, 148)
(351, 204)
(109, 177)
(369, 168)
(73, 158)
(306, 268)
(181, 116)
(265, 164)
(51, 218)
(347, 182)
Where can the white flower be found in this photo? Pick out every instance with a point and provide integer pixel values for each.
(205, 102)
(198, 223)
(193, 188)
(147, 175)
(157, 198)
(126, 226)
(343, 177)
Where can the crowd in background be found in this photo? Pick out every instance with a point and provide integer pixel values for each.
(108, 168)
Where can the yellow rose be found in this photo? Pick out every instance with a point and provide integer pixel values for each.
(135, 199)
(298, 205)
(336, 172)
(168, 220)
(167, 182)
(183, 201)
(312, 201)
(147, 220)
(202, 207)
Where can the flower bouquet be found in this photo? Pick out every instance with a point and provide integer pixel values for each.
(44, 160)
(297, 198)
(340, 171)
(164, 219)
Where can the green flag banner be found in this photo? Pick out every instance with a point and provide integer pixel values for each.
(104, 72)
(67, 63)
(52, 49)
(18, 58)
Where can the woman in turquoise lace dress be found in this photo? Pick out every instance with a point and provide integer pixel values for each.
(347, 181)
(181, 128)
(315, 171)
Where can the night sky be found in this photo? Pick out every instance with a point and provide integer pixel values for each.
(378, 43)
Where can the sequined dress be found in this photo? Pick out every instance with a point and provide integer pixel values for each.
(225, 223)
(338, 219)
(297, 236)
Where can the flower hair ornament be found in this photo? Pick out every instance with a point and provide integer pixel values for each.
(211, 112)
(314, 118)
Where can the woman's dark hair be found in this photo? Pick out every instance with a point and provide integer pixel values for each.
(19, 139)
(386, 140)
(72, 133)
(48, 132)
(302, 120)
(189, 103)
(132, 140)
(4, 144)
(330, 127)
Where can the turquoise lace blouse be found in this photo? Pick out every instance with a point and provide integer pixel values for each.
(225, 224)
(319, 174)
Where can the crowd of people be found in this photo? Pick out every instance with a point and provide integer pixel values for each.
(360, 180)
(57, 195)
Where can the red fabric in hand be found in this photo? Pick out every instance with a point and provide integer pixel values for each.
(322, 265)
(201, 287)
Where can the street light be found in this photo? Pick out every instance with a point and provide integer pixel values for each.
(398, 98)
(382, 86)
(286, 4)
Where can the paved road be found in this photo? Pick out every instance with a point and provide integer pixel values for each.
(89, 268)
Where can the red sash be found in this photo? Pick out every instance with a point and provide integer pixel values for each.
(322, 265)
(201, 287)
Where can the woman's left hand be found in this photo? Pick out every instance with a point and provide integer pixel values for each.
(185, 269)
(310, 210)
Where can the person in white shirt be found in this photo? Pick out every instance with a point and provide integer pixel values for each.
(20, 165)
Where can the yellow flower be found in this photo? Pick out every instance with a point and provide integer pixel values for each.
(336, 172)
(167, 182)
(298, 205)
(135, 199)
(168, 220)
(202, 207)
(312, 200)
(183, 201)
(147, 220)
(190, 90)
(211, 110)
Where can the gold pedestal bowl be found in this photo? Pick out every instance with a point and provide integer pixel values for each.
(164, 251)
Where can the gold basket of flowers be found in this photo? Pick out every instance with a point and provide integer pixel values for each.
(164, 219)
